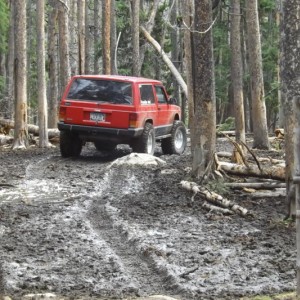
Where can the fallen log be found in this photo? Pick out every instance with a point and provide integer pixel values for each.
(5, 139)
(33, 129)
(213, 197)
(275, 172)
(255, 185)
(280, 192)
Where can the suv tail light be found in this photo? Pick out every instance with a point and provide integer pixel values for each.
(133, 120)
(62, 113)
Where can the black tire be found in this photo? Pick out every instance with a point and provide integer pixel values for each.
(176, 143)
(70, 144)
(105, 146)
(146, 142)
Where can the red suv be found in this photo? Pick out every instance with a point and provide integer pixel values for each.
(110, 110)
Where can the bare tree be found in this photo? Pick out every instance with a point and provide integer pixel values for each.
(107, 36)
(203, 127)
(290, 70)
(42, 99)
(237, 70)
(188, 13)
(81, 35)
(259, 117)
(64, 53)
(135, 27)
(97, 34)
(20, 72)
(10, 63)
(52, 68)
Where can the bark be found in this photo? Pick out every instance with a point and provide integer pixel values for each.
(237, 71)
(256, 185)
(64, 53)
(97, 35)
(53, 69)
(166, 59)
(81, 35)
(32, 129)
(290, 70)
(203, 127)
(107, 36)
(20, 75)
(275, 172)
(88, 41)
(113, 39)
(259, 118)
(41, 72)
(10, 63)
(213, 197)
(135, 27)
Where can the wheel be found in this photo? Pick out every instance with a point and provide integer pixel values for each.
(70, 144)
(146, 142)
(176, 143)
(105, 146)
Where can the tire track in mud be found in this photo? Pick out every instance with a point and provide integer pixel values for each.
(144, 263)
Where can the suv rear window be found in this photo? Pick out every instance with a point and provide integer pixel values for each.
(116, 92)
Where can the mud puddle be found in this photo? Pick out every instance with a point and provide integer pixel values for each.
(81, 229)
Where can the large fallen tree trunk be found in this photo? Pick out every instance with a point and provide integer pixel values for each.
(275, 172)
(7, 124)
(256, 185)
(166, 59)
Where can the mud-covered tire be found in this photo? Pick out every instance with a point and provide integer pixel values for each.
(146, 142)
(105, 146)
(70, 144)
(176, 143)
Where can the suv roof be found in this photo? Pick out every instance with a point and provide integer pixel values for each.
(121, 78)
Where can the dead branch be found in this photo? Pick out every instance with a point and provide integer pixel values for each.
(274, 172)
(166, 59)
(213, 197)
(253, 155)
(255, 185)
(214, 208)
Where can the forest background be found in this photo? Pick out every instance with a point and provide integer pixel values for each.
(232, 63)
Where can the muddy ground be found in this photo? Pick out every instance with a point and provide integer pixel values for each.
(81, 228)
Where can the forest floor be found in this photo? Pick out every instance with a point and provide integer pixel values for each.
(84, 229)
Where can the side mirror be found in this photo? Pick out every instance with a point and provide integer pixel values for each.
(172, 101)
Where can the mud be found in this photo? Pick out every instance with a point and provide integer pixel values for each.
(81, 228)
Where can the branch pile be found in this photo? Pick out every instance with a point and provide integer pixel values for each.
(220, 204)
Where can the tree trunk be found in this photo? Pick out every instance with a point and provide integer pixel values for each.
(166, 59)
(88, 41)
(52, 69)
(107, 35)
(20, 75)
(188, 13)
(81, 35)
(10, 63)
(113, 39)
(203, 130)
(237, 71)
(41, 74)
(97, 35)
(290, 62)
(135, 28)
(259, 118)
(64, 56)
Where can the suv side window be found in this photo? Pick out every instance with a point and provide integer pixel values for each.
(160, 93)
(146, 92)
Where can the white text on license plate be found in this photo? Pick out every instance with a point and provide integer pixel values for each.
(96, 116)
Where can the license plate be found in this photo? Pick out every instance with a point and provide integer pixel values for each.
(96, 116)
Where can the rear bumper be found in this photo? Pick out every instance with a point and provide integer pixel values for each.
(98, 131)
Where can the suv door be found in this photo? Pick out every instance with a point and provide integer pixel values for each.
(165, 113)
